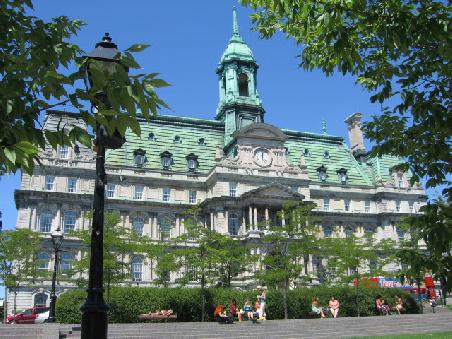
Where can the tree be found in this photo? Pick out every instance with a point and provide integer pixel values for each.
(287, 244)
(238, 259)
(39, 70)
(119, 242)
(428, 248)
(19, 259)
(199, 252)
(351, 258)
(398, 50)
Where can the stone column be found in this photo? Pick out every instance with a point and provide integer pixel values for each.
(251, 217)
(283, 220)
(58, 219)
(267, 218)
(33, 224)
(243, 221)
(177, 226)
(212, 227)
(182, 225)
(255, 218)
(226, 221)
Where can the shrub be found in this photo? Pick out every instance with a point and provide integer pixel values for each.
(127, 302)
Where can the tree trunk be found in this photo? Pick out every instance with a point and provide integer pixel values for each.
(421, 307)
(357, 294)
(203, 298)
(442, 280)
(286, 287)
(15, 297)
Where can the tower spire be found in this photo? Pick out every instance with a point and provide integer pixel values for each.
(235, 26)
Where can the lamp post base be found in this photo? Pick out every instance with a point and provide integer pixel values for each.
(94, 321)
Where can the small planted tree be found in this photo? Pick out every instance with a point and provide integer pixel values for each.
(287, 244)
(200, 252)
(119, 242)
(352, 258)
(19, 259)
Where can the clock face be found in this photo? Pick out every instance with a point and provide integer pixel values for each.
(262, 157)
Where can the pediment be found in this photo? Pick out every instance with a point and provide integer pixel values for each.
(274, 190)
(261, 130)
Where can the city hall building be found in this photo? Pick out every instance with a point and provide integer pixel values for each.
(237, 168)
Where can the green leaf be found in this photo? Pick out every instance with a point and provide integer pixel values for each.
(10, 155)
(137, 48)
(26, 147)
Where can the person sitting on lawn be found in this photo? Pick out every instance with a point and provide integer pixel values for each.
(398, 304)
(315, 307)
(385, 307)
(233, 308)
(246, 310)
(334, 306)
(378, 304)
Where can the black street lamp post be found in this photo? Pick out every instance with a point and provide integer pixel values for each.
(94, 311)
(57, 239)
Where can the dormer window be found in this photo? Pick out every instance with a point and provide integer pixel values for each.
(139, 157)
(326, 155)
(63, 152)
(166, 159)
(77, 150)
(177, 139)
(321, 171)
(342, 174)
(201, 141)
(151, 137)
(286, 150)
(192, 162)
(306, 152)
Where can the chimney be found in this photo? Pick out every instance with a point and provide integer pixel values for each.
(355, 135)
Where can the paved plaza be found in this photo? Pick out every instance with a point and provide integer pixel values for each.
(299, 328)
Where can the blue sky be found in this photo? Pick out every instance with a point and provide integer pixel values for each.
(187, 39)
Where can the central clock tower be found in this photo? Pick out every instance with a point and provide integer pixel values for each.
(239, 104)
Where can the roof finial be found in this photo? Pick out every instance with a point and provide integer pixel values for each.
(323, 126)
(235, 26)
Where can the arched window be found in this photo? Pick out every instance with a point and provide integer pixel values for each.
(224, 85)
(177, 139)
(166, 159)
(69, 221)
(137, 268)
(45, 221)
(139, 157)
(151, 137)
(66, 261)
(138, 224)
(165, 227)
(349, 231)
(192, 162)
(233, 224)
(40, 299)
(243, 85)
(43, 261)
(326, 155)
(327, 231)
(306, 152)
(321, 171)
(342, 174)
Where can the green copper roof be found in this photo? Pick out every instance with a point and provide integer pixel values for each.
(237, 48)
(177, 135)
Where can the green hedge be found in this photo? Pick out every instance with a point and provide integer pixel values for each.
(127, 302)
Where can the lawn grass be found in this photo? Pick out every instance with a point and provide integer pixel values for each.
(435, 335)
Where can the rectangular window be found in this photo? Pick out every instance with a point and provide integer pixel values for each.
(110, 190)
(367, 206)
(138, 193)
(326, 204)
(347, 205)
(232, 189)
(49, 182)
(192, 197)
(72, 185)
(397, 205)
(400, 182)
(412, 208)
(166, 194)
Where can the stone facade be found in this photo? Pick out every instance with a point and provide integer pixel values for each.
(237, 168)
